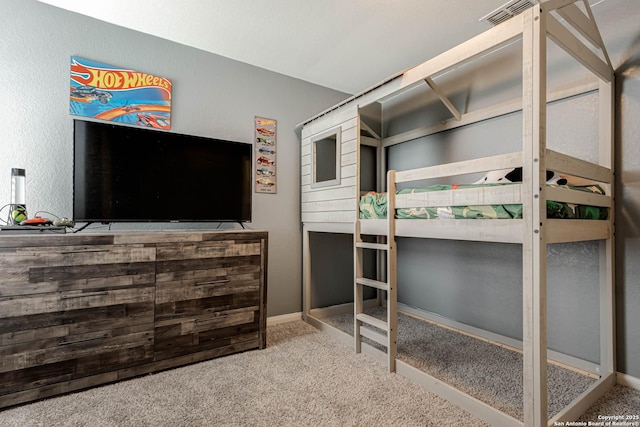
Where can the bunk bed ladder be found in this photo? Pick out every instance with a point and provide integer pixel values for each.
(365, 325)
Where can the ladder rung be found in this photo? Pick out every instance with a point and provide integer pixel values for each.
(377, 246)
(373, 335)
(372, 283)
(373, 321)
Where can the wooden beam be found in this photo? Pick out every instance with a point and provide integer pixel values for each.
(502, 161)
(306, 273)
(551, 5)
(358, 292)
(574, 230)
(581, 403)
(565, 195)
(480, 230)
(578, 20)
(463, 53)
(392, 275)
(607, 247)
(469, 403)
(479, 196)
(367, 128)
(443, 98)
(494, 111)
(371, 142)
(534, 244)
(329, 227)
(592, 19)
(569, 165)
(574, 47)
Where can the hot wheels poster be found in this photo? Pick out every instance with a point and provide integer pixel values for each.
(115, 94)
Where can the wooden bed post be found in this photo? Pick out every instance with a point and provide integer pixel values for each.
(392, 274)
(607, 247)
(358, 296)
(534, 247)
(306, 273)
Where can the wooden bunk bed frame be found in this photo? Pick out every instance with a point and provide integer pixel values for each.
(334, 208)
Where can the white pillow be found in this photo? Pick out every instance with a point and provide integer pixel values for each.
(515, 175)
(498, 176)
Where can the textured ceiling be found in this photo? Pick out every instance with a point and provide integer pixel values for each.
(347, 45)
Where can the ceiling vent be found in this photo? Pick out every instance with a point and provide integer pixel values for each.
(508, 10)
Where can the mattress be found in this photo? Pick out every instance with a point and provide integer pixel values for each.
(374, 206)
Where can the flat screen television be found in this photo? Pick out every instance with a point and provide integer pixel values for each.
(129, 174)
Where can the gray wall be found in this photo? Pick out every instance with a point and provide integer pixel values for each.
(212, 97)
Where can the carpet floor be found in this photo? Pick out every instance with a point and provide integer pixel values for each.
(303, 377)
(488, 372)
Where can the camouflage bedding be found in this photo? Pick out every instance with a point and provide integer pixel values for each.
(374, 206)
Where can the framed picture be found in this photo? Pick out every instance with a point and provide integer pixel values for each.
(266, 176)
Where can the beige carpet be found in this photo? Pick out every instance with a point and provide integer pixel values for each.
(490, 373)
(304, 377)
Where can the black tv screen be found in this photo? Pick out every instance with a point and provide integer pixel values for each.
(128, 174)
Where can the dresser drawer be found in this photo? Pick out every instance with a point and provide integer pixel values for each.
(192, 318)
(41, 316)
(33, 270)
(193, 334)
(220, 248)
(49, 338)
(70, 311)
(47, 361)
(207, 296)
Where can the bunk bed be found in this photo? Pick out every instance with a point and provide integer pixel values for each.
(334, 200)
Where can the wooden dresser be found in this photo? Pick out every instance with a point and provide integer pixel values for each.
(77, 310)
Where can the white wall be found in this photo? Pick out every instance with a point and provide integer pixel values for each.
(212, 97)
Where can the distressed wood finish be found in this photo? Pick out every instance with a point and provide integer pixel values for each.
(208, 296)
(82, 310)
(74, 310)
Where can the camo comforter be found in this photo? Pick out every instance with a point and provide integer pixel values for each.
(374, 206)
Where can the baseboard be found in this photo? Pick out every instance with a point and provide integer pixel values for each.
(283, 318)
(628, 380)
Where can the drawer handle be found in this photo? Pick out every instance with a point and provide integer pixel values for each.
(212, 282)
(64, 342)
(81, 251)
(88, 294)
(212, 319)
